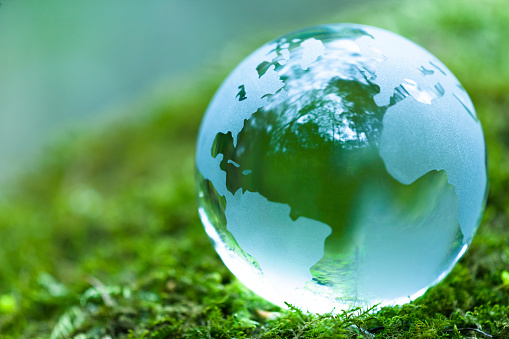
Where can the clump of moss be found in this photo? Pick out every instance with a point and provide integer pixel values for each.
(103, 240)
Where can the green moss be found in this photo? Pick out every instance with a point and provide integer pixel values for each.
(103, 237)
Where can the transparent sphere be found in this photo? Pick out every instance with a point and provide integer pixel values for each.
(340, 166)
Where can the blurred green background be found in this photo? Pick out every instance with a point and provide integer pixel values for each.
(100, 103)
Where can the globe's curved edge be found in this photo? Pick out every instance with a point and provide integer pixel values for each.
(391, 169)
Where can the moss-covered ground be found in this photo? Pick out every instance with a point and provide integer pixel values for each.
(102, 240)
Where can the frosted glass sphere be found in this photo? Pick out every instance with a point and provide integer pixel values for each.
(339, 166)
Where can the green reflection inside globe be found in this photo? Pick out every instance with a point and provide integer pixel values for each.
(341, 166)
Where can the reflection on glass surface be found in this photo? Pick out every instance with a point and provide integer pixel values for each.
(331, 169)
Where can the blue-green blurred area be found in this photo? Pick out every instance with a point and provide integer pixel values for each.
(65, 63)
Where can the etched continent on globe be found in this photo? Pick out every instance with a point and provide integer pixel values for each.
(341, 165)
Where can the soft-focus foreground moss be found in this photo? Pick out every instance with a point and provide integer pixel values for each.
(103, 239)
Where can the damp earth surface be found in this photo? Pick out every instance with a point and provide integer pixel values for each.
(339, 166)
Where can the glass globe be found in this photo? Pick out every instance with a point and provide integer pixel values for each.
(339, 166)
